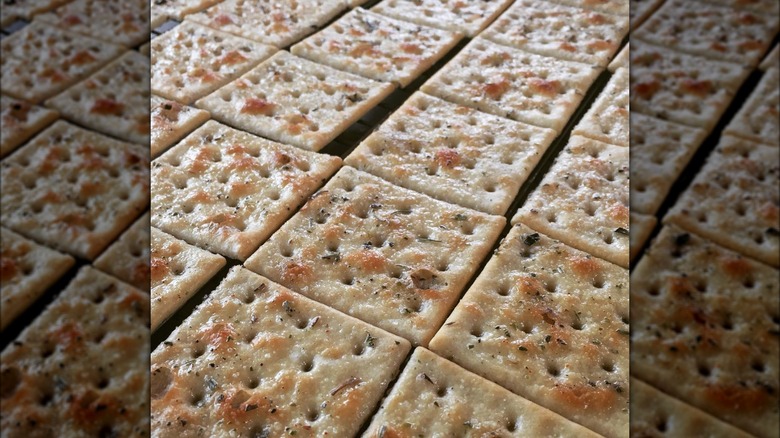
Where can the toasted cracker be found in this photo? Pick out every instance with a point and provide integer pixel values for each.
(772, 59)
(434, 397)
(178, 271)
(640, 10)
(620, 60)
(74, 190)
(79, 369)
(560, 31)
(733, 201)
(583, 200)
(759, 117)
(384, 254)
(124, 22)
(28, 269)
(165, 10)
(510, 83)
(607, 119)
(295, 101)
(468, 17)
(20, 121)
(226, 190)
(550, 323)
(616, 7)
(453, 153)
(113, 100)
(171, 121)
(128, 258)
(642, 226)
(256, 359)
(704, 329)
(191, 61)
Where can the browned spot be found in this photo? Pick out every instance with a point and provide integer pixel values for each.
(367, 260)
(495, 90)
(447, 157)
(89, 188)
(529, 285)
(8, 268)
(718, 47)
(219, 335)
(600, 45)
(567, 47)
(71, 20)
(297, 272)
(68, 337)
(584, 266)
(82, 57)
(738, 398)
(586, 397)
(696, 87)
(736, 267)
(107, 106)
(364, 49)
(597, 18)
(223, 20)
(748, 18)
(257, 106)
(646, 90)
(232, 57)
(53, 75)
(159, 269)
(411, 48)
(544, 87)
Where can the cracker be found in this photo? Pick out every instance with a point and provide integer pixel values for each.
(171, 121)
(269, 21)
(680, 87)
(226, 190)
(550, 323)
(28, 269)
(191, 61)
(164, 10)
(434, 397)
(20, 121)
(711, 31)
(80, 368)
(68, 58)
(560, 31)
(704, 329)
(640, 10)
(128, 258)
(469, 17)
(607, 119)
(616, 7)
(655, 413)
(295, 101)
(124, 22)
(642, 226)
(583, 200)
(256, 359)
(510, 83)
(113, 101)
(757, 120)
(377, 47)
(660, 150)
(453, 153)
(772, 59)
(74, 190)
(733, 201)
(178, 271)
(620, 60)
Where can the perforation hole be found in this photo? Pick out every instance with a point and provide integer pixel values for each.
(358, 349)
(348, 281)
(704, 371)
(476, 332)
(198, 351)
(551, 285)
(441, 391)
(312, 415)
(553, 370)
(503, 290)
(608, 367)
(307, 366)
(253, 383)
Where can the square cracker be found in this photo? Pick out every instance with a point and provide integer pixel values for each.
(74, 190)
(621, 60)
(269, 21)
(711, 31)
(80, 368)
(616, 7)
(682, 88)
(256, 359)
(113, 100)
(377, 47)
(734, 200)
(128, 258)
(295, 101)
(640, 10)
(642, 226)
(435, 397)
(67, 58)
(607, 119)
(560, 31)
(772, 59)
(453, 153)
(550, 323)
(226, 190)
(655, 413)
(660, 150)
(171, 121)
(510, 83)
(120, 22)
(191, 60)
(178, 271)
(164, 10)
(28, 269)
(468, 17)
(389, 256)
(704, 329)
(759, 117)
(20, 121)
(583, 200)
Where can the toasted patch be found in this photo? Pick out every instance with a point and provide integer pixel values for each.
(128, 258)
(468, 17)
(113, 100)
(191, 60)
(386, 255)
(642, 226)
(704, 329)
(295, 101)
(435, 397)
(759, 117)
(171, 121)
(165, 10)
(617, 7)
(640, 10)
(74, 190)
(256, 359)
(733, 201)
(178, 271)
(26, 270)
(80, 368)
(607, 119)
(772, 59)
(510, 83)
(621, 60)
(453, 153)
(227, 191)
(124, 22)
(560, 31)
(583, 200)
(550, 323)
(20, 121)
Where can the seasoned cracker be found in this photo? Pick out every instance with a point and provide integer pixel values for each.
(19, 121)
(621, 60)
(772, 59)
(164, 10)
(642, 226)
(128, 258)
(120, 22)
(467, 16)
(607, 119)
(759, 117)
(171, 121)
(640, 10)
